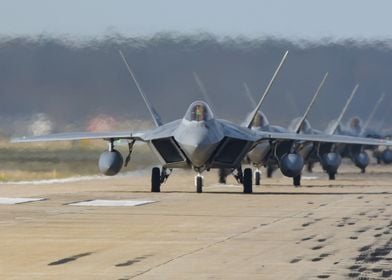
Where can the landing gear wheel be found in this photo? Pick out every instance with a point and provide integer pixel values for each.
(257, 177)
(331, 176)
(309, 167)
(363, 170)
(247, 180)
(155, 180)
(222, 176)
(297, 181)
(199, 184)
(270, 170)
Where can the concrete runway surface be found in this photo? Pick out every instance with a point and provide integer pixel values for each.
(322, 230)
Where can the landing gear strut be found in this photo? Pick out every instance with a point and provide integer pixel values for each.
(238, 175)
(130, 149)
(165, 173)
(222, 176)
(297, 180)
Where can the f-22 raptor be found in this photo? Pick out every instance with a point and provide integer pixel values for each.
(198, 141)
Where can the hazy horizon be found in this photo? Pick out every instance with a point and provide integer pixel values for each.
(293, 20)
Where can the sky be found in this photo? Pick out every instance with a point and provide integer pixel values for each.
(291, 19)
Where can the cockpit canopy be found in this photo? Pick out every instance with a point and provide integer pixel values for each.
(305, 127)
(355, 123)
(199, 111)
(260, 120)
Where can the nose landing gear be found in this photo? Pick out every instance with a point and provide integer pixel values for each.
(257, 177)
(199, 180)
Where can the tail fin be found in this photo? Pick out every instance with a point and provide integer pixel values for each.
(300, 123)
(249, 95)
(203, 91)
(370, 118)
(254, 112)
(336, 124)
(155, 116)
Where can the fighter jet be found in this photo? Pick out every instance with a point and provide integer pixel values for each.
(381, 155)
(263, 155)
(198, 141)
(354, 128)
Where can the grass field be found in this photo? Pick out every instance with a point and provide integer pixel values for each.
(61, 159)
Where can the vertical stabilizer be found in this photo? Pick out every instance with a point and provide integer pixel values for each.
(336, 124)
(155, 116)
(254, 112)
(300, 123)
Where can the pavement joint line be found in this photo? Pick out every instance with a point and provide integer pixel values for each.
(254, 228)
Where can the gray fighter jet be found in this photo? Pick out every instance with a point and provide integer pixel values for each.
(268, 155)
(198, 141)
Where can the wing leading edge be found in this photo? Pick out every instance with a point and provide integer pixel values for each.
(71, 136)
(323, 138)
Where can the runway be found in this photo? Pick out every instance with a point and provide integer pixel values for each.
(323, 230)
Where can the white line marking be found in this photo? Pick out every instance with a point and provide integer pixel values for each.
(72, 179)
(17, 200)
(310, 177)
(103, 202)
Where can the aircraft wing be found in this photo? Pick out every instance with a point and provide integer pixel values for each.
(69, 136)
(323, 138)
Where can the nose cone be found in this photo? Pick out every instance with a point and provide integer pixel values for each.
(198, 141)
(199, 154)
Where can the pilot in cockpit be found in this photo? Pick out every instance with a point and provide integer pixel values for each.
(198, 113)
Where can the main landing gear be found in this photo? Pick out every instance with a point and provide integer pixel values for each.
(158, 177)
(245, 177)
(270, 170)
(247, 180)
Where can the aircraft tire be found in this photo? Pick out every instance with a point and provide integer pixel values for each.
(247, 180)
(199, 184)
(297, 181)
(156, 180)
(309, 167)
(331, 176)
(257, 178)
(270, 170)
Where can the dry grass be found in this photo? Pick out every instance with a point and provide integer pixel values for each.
(53, 160)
